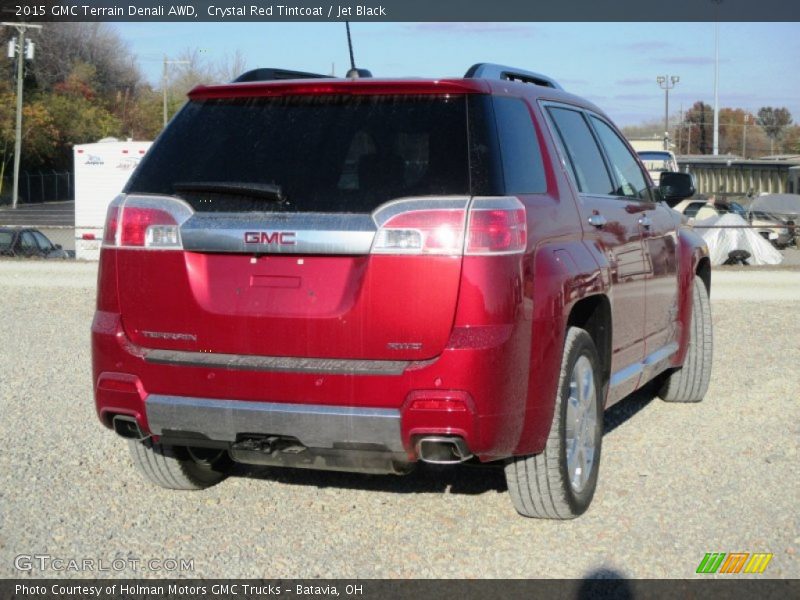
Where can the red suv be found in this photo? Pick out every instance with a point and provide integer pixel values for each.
(360, 274)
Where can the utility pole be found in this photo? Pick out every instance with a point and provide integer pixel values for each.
(666, 83)
(164, 80)
(689, 140)
(744, 135)
(19, 50)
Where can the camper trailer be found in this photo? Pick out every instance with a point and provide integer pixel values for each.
(101, 171)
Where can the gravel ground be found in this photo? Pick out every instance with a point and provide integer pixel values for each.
(676, 481)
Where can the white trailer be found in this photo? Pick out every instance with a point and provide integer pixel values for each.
(101, 171)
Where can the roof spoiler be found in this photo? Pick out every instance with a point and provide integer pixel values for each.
(492, 71)
(273, 74)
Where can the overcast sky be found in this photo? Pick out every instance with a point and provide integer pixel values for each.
(613, 64)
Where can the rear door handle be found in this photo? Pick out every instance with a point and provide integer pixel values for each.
(646, 222)
(597, 220)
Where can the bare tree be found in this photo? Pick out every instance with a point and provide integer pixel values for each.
(199, 68)
(231, 66)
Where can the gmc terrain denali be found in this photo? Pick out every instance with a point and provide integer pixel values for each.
(361, 274)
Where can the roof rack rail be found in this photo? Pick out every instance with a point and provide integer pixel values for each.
(492, 71)
(272, 74)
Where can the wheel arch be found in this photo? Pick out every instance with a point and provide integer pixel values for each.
(703, 271)
(593, 314)
(693, 261)
(569, 285)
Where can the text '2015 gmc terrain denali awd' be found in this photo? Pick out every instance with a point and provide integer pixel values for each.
(361, 274)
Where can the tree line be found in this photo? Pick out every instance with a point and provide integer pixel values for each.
(84, 84)
(768, 131)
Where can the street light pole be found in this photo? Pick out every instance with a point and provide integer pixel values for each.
(20, 53)
(716, 78)
(666, 83)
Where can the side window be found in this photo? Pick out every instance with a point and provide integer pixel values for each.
(27, 243)
(523, 170)
(693, 208)
(6, 238)
(631, 180)
(584, 154)
(43, 242)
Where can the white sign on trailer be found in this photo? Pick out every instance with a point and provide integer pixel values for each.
(101, 171)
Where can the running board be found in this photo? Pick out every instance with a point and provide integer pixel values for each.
(652, 364)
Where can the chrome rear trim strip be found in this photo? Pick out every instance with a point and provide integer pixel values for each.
(279, 364)
(279, 233)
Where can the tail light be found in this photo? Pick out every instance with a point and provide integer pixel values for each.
(112, 221)
(136, 222)
(422, 232)
(451, 227)
(496, 226)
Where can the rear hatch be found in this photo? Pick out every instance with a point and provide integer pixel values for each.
(324, 226)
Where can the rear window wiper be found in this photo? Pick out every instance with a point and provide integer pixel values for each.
(268, 191)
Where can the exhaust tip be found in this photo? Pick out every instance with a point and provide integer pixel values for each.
(443, 450)
(128, 428)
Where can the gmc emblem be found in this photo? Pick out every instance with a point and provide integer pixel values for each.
(284, 238)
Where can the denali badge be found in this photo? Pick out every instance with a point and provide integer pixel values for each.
(285, 238)
(404, 346)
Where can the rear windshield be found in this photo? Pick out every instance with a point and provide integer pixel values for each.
(318, 153)
(657, 161)
(655, 156)
(5, 240)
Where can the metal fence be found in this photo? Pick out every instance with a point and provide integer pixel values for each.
(39, 186)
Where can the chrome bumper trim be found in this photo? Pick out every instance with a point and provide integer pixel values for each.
(280, 364)
(311, 233)
(316, 426)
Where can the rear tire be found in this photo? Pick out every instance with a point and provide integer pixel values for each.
(690, 382)
(179, 467)
(560, 482)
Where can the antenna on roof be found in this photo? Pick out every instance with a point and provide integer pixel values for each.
(353, 70)
(354, 73)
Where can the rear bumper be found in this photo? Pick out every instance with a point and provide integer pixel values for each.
(477, 391)
(313, 425)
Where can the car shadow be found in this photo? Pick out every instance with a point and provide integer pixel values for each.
(468, 478)
(625, 409)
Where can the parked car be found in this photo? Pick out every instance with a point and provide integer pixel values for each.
(777, 232)
(28, 242)
(784, 208)
(657, 162)
(358, 274)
